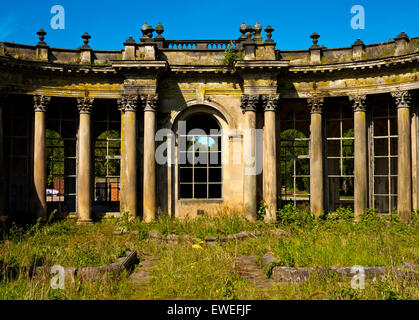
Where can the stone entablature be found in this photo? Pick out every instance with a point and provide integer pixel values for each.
(378, 68)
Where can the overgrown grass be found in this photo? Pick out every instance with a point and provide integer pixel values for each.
(185, 271)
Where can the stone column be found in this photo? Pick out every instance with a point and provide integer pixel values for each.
(128, 103)
(149, 187)
(404, 183)
(3, 101)
(84, 172)
(414, 135)
(361, 155)
(317, 156)
(39, 158)
(249, 104)
(270, 193)
(122, 164)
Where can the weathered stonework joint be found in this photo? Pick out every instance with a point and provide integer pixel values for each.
(270, 102)
(85, 105)
(41, 103)
(128, 102)
(315, 104)
(249, 102)
(150, 102)
(359, 102)
(403, 99)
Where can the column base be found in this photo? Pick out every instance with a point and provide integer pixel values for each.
(84, 222)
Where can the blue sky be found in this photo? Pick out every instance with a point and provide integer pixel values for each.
(110, 23)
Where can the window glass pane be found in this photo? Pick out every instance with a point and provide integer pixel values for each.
(200, 191)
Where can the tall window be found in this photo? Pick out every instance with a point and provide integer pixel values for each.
(55, 166)
(384, 132)
(17, 146)
(295, 154)
(340, 155)
(61, 149)
(107, 155)
(199, 168)
(107, 166)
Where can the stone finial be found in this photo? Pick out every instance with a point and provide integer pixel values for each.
(358, 50)
(243, 31)
(402, 44)
(86, 38)
(402, 36)
(269, 31)
(249, 32)
(159, 31)
(402, 98)
(40, 103)
(358, 42)
(359, 102)
(85, 104)
(270, 102)
(128, 102)
(315, 37)
(315, 103)
(249, 102)
(147, 31)
(129, 41)
(258, 33)
(41, 33)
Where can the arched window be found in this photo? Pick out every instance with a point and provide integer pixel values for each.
(107, 166)
(199, 160)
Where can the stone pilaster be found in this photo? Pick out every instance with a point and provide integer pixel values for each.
(270, 191)
(128, 105)
(84, 172)
(39, 158)
(249, 104)
(361, 155)
(315, 104)
(149, 189)
(404, 183)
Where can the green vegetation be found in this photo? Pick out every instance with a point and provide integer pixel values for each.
(232, 55)
(189, 271)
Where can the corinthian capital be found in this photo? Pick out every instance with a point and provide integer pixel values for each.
(270, 102)
(403, 99)
(150, 102)
(249, 102)
(41, 102)
(315, 103)
(128, 102)
(359, 102)
(85, 104)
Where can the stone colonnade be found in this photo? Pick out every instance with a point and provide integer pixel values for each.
(406, 153)
(128, 105)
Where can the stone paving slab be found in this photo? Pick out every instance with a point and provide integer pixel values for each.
(247, 268)
(143, 272)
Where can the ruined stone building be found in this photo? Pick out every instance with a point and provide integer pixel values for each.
(78, 126)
